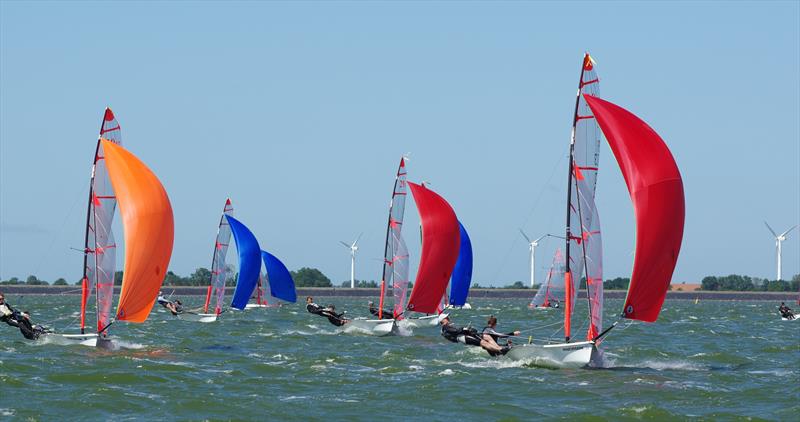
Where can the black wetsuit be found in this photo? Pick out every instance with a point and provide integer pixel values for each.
(489, 331)
(468, 336)
(386, 314)
(786, 312)
(333, 317)
(13, 318)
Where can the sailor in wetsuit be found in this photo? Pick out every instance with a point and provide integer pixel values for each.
(490, 337)
(785, 311)
(327, 312)
(21, 320)
(374, 310)
(465, 335)
(175, 307)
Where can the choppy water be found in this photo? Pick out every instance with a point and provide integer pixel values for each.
(715, 360)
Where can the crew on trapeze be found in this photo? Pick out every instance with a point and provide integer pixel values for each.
(327, 312)
(551, 303)
(174, 306)
(470, 336)
(21, 320)
(786, 312)
(374, 310)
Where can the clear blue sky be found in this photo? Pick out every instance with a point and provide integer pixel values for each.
(300, 111)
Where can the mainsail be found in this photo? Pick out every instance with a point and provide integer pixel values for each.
(249, 263)
(100, 248)
(553, 287)
(280, 280)
(216, 288)
(462, 272)
(149, 231)
(656, 189)
(583, 241)
(395, 262)
(440, 244)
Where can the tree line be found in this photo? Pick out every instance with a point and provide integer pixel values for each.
(312, 277)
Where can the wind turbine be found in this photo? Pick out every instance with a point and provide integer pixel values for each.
(532, 246)
(778, 240)
(353, 248)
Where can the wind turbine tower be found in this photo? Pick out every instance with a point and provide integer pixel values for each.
(353, 248)
(779, 238)
(532, 244)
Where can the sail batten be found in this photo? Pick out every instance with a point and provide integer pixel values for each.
(440, 245)
(656, 190)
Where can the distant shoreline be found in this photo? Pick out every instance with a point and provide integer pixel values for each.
(374, 292)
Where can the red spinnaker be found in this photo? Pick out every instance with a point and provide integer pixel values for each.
(441, 239)
(656, 190)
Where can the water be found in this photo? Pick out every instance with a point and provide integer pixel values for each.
(715, 360)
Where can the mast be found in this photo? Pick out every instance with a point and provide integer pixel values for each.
(568, 273)
(394, 228)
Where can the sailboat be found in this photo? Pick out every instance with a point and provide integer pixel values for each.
(551, 293)
(462, 273)
(395, 262)
(219, 273)
(249, 262)
(656, 189)
(120, 177)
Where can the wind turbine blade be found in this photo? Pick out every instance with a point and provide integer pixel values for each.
(345, 244)
(770, 229)
(541, 237)
(525, 236)
(357, 239)
(787, 231)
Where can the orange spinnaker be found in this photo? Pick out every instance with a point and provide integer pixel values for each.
(149, 231)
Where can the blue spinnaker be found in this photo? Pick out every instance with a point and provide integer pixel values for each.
(249, 262)
(280, 280)
(462, 272)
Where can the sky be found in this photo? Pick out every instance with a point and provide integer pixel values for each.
(300, 111)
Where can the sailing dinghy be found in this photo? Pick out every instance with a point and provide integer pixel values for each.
(219, 272)
(550, 294)
(656, 189)
(119, 177)
(395, 263)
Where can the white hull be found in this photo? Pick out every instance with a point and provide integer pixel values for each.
(793, 318)
(426, 321)
(372, 327)
(189, 316)
(563, 355)
(466, 306)
(83, 339)
(256, 306)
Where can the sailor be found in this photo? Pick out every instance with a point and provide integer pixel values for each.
(174, 307)
(554, 303)
(785, 311)
(21, 320)
(490, 336)
(464, 335)
(375, 311)
(327, 312)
